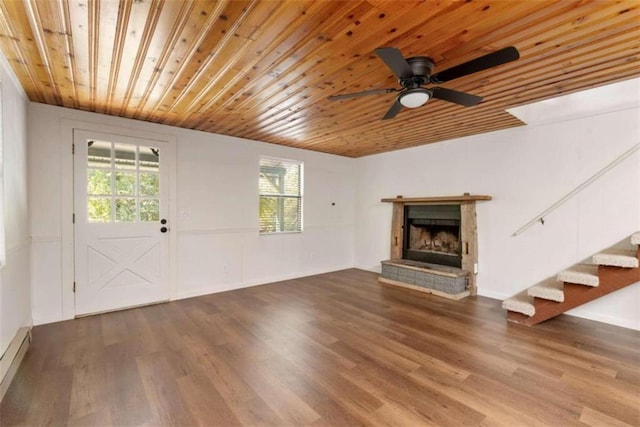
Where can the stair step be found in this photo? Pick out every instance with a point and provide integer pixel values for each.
(607, 272)
(549, 289)
(617, 258)
(582, 274)
(520, 303)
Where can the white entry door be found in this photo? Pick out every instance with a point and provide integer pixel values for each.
(121, 222)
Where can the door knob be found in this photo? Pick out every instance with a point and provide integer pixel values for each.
(163, 229)
(163, 221)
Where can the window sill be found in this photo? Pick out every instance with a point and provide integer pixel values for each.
(277, 233)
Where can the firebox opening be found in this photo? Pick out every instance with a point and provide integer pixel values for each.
(432, 234)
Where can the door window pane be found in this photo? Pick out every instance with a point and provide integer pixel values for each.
(99, 209)
(126, 210)
(99, 182)
(125, 183)
(149, 184)
(125, 156)
(149, 159)
(149, 210)
(99, 154)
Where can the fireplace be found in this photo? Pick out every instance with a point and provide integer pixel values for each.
(432, 234)
(434, 244)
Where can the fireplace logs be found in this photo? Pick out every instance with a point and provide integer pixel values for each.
(434, 239)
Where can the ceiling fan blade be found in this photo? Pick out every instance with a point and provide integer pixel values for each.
(394, 60)
(455, 96)
(393, 111)
(363, 93)
(491, 60)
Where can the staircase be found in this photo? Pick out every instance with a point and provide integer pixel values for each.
(610, 270)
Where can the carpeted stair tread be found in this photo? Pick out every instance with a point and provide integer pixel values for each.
(520, 303)
(617, 258)
(607, 271)
(549, 289)
(582, 274)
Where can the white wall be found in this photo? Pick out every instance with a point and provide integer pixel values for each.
(15, 299)
(525, 170)
(218, 246)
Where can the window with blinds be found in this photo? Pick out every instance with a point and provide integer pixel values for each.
(280, 188)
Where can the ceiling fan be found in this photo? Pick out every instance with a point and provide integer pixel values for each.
(415, 72)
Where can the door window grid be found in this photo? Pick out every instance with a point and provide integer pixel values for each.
(123, 182)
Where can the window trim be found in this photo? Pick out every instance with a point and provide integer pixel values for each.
(300, 164)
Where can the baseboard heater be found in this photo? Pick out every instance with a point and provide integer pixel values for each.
(11, 359)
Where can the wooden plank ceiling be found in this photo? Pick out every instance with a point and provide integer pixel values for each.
(264, 69)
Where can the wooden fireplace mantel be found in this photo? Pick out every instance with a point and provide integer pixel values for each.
(439, 199)
(468, 227)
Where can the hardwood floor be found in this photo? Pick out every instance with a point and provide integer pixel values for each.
(336, 349)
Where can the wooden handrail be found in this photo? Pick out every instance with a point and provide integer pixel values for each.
(607, 168)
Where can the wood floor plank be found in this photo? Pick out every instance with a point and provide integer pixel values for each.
(330, 412)
(393, 415)
(629, 375)
(594, 418)
(547, 411)
(557, 360)
(325, 375)
(128, 404)
(86, 399)
(273, 390)
(415, 398)
(204, 402)
(335, 349)
(209, 361)
(498, 413)
(167, 406)
(619, 404)
(51, 401)
(101, 417)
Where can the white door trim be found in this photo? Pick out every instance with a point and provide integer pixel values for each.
(66, 227)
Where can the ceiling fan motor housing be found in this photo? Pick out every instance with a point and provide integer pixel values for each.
(422, 68)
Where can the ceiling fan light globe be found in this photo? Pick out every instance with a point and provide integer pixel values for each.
(414, 98)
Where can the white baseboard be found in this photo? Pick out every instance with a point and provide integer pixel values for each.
(493, 295)
(610, 320)
(372, 268)
(207, 290)
(11, 359)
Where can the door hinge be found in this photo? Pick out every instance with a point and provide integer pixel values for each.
(74, 287)
(73, 218)
(73, 148)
